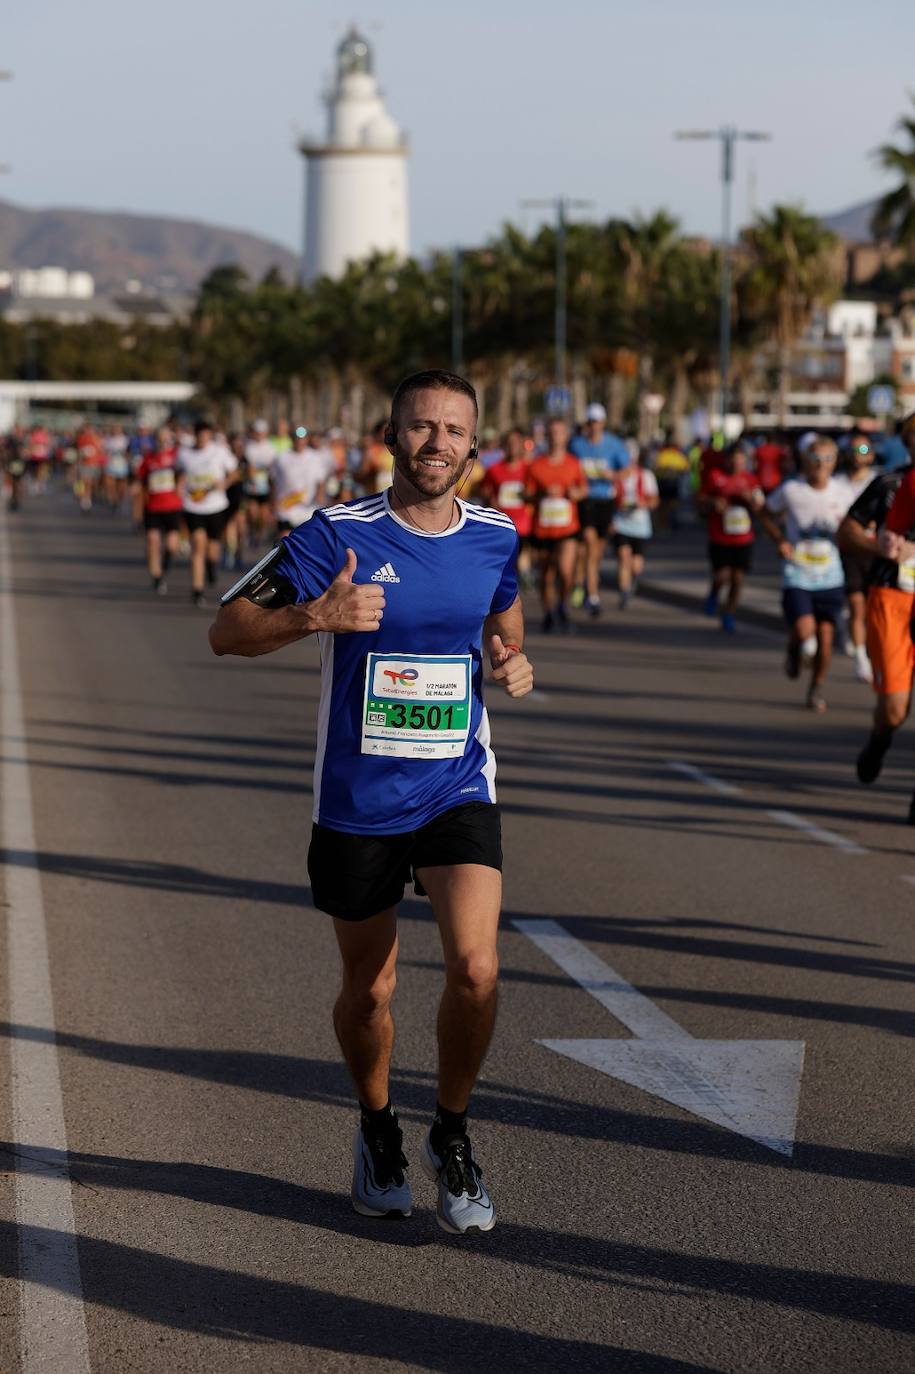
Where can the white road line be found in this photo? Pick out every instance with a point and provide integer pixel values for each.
(52, 1334)
(636, 1012)
(689, 770)
(816, 832)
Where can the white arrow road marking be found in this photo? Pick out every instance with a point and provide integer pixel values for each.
(750, 1087)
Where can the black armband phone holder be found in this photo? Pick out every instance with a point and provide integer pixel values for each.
(262, 585)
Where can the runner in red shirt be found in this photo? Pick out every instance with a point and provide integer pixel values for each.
(555, 483)
(730, 494)
(770, 459)
(90, 456)
(160, 482)
(503, 488)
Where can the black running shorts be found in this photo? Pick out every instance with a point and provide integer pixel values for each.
(165, 521)
(354, 877)
(738, 556)
(596, 513)
(214, 524)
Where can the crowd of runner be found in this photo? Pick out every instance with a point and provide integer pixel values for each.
(571, 495)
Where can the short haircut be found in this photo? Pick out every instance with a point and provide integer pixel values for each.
(824, 445)
(433, 379)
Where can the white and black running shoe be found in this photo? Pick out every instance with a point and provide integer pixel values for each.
(463, 1202)
(380, 1186)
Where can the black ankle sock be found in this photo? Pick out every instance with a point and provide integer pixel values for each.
(880, 739)
(384, 1116)
(448, 1123)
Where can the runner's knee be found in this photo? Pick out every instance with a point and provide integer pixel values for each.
(475, 972)
(369, 995)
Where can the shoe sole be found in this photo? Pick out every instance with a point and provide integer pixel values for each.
(365, 1211)
(427, 1164)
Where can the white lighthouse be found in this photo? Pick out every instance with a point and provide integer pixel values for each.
(355, 182)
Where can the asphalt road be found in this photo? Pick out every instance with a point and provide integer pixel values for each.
(208, 1119)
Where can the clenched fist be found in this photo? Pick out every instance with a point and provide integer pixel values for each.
(512, 668)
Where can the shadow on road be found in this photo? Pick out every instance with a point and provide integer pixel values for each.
(871, 1301)
(206, 1300)
(326, 1081)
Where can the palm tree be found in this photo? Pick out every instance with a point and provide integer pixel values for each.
(795, 266)
(895, 212)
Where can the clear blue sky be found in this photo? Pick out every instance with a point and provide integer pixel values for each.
(191, 107)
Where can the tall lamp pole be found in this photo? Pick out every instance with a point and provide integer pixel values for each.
(561, 204)
(727, 136)
(457, 309)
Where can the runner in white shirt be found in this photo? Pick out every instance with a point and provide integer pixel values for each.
(207, 468)
(298, 479)
(802, 517)
(636, 495)
(259, 456)
(117, 466)
(857, 477)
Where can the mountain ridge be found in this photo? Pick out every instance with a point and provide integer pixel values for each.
(164, 251)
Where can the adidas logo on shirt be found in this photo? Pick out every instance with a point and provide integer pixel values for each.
(385, 574)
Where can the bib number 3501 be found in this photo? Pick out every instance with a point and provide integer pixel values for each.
(416, 706)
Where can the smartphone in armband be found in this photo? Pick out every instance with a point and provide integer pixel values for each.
(263, 586)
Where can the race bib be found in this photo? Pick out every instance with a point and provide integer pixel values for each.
(295, 498)
(200, 486)
(259, 483)
(416, 706)
(160, 481)
(554, 512)
(736, 520)
(905, 577)
(510, 495)
(814, 554)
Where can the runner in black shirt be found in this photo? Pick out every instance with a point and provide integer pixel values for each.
(890, 601)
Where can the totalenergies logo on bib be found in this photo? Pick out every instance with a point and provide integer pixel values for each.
(404, 675)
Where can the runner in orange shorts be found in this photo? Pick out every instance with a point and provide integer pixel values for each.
(882, 523)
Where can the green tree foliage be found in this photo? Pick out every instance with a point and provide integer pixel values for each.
(642, 315)
(895, 214)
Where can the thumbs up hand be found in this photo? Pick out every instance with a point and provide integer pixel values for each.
(348, 607)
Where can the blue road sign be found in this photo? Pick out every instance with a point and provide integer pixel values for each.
(558, 400)
(880, 399)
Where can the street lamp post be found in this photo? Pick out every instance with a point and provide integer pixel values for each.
(457, 309)
(561, 204)
(727, 137)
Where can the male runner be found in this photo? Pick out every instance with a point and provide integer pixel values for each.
(855, 481)
(601, 456)
(297, 482)
(503, 488)
(555, 484)
(729, 496)
(259, 457)
(812, 508)
(888, 502)
(407, 591)
(207, 468)
(162, 505)
(636, 496)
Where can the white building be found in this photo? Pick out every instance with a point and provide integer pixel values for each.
(356, 181)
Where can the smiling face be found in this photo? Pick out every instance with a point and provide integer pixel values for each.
(433, 432)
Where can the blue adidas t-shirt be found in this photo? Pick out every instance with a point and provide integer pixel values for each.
(600, 461)
(403, 734)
